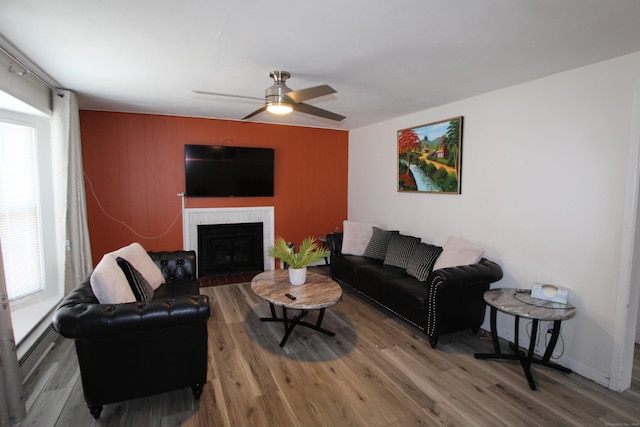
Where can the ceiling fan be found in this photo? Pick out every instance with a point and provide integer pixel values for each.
(280, 99)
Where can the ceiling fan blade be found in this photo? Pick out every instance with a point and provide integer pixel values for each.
(310, 92)
(258, 111)
(202, 92)
(310, 109)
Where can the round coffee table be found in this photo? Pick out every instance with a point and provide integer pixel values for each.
(318, 293)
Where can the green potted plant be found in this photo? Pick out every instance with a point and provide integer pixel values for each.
(308, 252)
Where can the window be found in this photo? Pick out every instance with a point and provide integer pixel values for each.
(27, 222)
(20, 225)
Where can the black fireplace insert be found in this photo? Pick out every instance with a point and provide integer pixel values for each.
(230, 248)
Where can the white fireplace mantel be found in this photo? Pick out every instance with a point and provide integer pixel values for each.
(192, 217)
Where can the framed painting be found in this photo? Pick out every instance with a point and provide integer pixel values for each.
(429, 157)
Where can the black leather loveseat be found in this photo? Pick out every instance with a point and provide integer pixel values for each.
(449, 300)
(135, 349)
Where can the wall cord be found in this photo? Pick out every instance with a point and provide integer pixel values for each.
(104, 211)
(546, 332)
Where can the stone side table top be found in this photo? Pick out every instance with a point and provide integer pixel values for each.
(518, 302)
(317, 292)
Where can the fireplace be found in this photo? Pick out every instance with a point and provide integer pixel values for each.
(229, 248)
(193, 218)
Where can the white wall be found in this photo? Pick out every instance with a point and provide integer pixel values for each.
(544, 173)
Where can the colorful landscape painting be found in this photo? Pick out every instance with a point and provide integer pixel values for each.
(429, 157)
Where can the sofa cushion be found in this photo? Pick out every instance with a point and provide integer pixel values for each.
(372, 280)
(457, 252)
(380, 273)
(422, 260)
(349, 265)
(355, 237)
(408, 290)
(141, 289)
(400, 249)
(177, 289)
(377, 247)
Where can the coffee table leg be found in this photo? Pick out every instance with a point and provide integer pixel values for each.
(285, 320)
(318, 324)
(320, 317)
(289, 325)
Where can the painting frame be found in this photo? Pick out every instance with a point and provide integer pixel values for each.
(430, 157)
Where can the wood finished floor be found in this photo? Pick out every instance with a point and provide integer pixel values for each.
(377, 371)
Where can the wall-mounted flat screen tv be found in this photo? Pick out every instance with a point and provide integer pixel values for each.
(223, 171)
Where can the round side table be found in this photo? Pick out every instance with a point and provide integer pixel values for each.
(519, 303)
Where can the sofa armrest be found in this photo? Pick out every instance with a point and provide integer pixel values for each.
(335, 243)
(176, 265)
(80, 316)
(483, 272)
(455, 297)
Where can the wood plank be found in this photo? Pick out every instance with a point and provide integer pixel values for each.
(228, 303)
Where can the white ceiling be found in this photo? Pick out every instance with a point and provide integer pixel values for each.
(385, 58)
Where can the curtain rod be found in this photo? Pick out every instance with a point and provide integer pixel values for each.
(28, 71)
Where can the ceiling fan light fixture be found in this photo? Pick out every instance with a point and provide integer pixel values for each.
(275, 98)
(280, 108)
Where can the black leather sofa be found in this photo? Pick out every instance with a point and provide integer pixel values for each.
(137, 349)
(449, 300)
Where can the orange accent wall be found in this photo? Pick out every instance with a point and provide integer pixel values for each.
(134, 169)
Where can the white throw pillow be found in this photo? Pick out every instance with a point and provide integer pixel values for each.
(355, 238)
(140, 259)
(457, 252)
(109, 283)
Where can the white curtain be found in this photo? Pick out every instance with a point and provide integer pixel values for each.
(73, 247)
(12, 407)
(72, 228)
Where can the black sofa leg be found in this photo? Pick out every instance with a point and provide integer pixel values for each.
(197, 390)
(433, 340)
(95, 410)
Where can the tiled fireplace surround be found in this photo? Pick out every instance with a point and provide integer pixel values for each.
(192, 217)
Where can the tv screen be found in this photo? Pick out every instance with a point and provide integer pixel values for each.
(221, 171)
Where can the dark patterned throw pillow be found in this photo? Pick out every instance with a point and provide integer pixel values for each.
(141, 289)
(377, 247)
(400, 249)
(422, 260)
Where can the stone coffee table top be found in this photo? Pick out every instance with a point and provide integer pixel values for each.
(317, 292)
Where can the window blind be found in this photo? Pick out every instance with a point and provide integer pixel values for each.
(20, 227)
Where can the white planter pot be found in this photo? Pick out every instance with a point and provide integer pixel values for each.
(297, 276)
